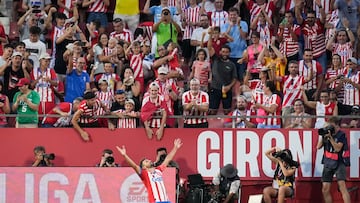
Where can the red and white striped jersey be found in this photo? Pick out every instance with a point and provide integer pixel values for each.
(125, 35)
(136, 65)
(269, 101)
(292, 89)
(155, 122)
(325, 4)
(331, 73)
(42, 87)
(352, 94)
(98, 7)
(257, 90)
(165, 92)
(88, 113)
(345, 51)
(265, 34)
(147, 26)
(105, 98)
(218, 18)
(125, 122)
(304, 71)
(183, 3)
(191, 15)
(111, 79)
(314, 38)
(94, 40)
(201, 98)
(323, 110)
(289, 46)
(56, 33)
(290, 4)
(68, 4)
(255, 9)
(154, 184)
(331, 19)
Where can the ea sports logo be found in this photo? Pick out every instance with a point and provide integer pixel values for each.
(133, 190)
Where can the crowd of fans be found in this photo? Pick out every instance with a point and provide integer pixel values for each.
(273, 58)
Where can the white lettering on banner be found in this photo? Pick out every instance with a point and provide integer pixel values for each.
(44, 185)
(250, 140)
(2, 188)
(29, 188)
(354, 153)
(214, 151)
(87, 181)
(133, 190)
(203, 157)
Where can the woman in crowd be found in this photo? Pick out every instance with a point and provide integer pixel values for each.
(298, 119)
(131, 87)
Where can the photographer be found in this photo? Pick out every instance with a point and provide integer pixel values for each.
(41, 158)
(227, 184)
(336, 158)
(107, 159)
(284, 175)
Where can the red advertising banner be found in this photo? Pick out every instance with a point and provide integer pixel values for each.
(60, 184)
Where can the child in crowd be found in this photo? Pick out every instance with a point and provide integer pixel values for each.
(129, 116)
(174, 64)
(106, 97)
(218, 39)
(136, 59)
(92, 28)
(201, 70)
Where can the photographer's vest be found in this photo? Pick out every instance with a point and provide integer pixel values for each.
(283, 180)
(331, 158)
(225, 184)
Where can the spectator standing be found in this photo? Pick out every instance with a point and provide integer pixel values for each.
(288, 36)
(117, 106)
(218, 39)
(195, 103)
(238, 30)
(97, 11)
(63, 109)
(6, 56)
(136, 59)
(4, 106)
(271, 107)
(34, 45)
(255, 8)
(201, 70)
(128, 10)
(224, 78)
(323, 108)
(77, 81)
(351, 85)
(12, 72)
(333, 76)
(251, 55)
(201, 33)
(314, 34)
(308, 67)
(131, 87)
(348, 10)
(242, 115)
(41, 5)
(26, 103)
(263, 25)
(120, 32)
(127, 117)
(106, 98)
(298, 119)
(44, 80)
(101, 53)
(153, 107)
(84, 117)
(28, 20)
(344, 45)
(218, 17)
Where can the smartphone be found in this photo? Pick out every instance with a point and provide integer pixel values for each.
(82, 44)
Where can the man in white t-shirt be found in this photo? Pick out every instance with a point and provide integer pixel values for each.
(35, 46)
(201, 34)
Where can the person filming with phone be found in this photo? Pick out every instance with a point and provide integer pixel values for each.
(335, 159)
(284, 175)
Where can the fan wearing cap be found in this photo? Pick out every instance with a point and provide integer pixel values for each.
(26, 103)
(284, 175)
(44, 79)
(157, 10)
(12, 72)
(154, 112)
(351, 85)
(227, 184)
(85, 116)
(126, 118)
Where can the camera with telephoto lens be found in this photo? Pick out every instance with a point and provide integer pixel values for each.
(110, 160)
(166, 13)
(328, 129)
(50, 156)
(285, 157)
